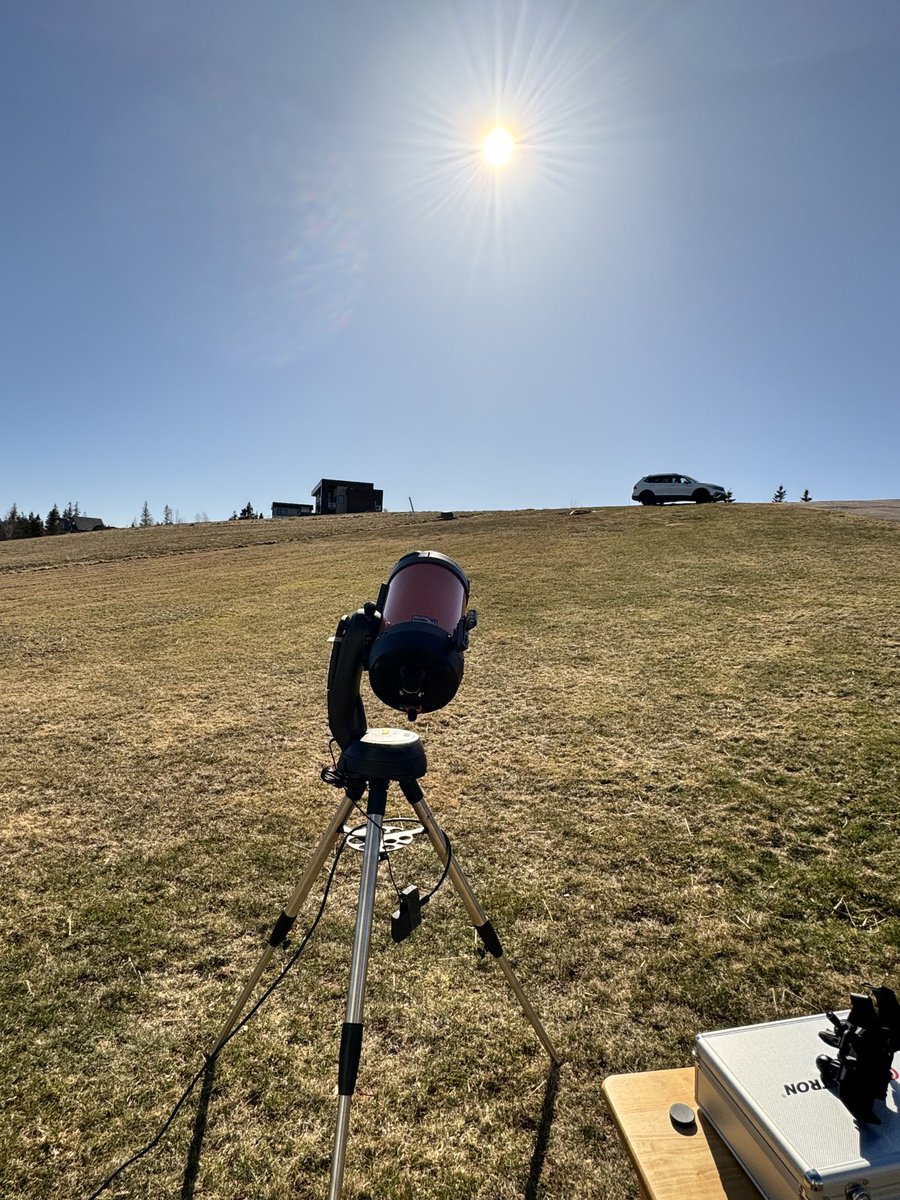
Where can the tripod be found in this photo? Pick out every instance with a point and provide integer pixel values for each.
(370, 764)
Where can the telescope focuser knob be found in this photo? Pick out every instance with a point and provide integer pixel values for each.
(461, 634)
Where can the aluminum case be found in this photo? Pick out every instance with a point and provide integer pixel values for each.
(760, 1089)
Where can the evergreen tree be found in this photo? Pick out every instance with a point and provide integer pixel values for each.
(52, 524)
(780, 494)
(146, 517)
(17, 525)
(806, 497)
(10, 521)
(247, 512)
(168, 517)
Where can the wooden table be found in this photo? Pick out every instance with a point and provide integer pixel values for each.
(671, 1164)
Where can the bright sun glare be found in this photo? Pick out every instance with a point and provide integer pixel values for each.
(498, 147)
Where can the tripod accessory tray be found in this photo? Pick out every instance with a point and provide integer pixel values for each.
(760, 1089)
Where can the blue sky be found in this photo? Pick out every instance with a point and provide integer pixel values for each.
(249, 245)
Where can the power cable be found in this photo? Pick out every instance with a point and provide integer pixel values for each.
(279, 979)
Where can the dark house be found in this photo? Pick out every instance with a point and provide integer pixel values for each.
(346, 496)
(80, 524)
(281, 508)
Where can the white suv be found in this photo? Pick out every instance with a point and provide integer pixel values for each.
(662, 489)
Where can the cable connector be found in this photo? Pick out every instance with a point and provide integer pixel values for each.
(408, 916)
(334, 777)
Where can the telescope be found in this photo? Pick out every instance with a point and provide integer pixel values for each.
(411, 640)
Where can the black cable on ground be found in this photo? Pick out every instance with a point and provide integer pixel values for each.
(240, 1025)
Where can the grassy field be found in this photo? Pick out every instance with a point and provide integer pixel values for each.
(671, 775)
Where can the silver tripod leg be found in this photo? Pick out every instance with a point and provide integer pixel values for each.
(288, 916)
(477, 915)
(352, 1031)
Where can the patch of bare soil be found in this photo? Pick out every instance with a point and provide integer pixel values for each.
(887, 510)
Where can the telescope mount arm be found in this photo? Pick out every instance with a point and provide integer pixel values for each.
(349, 657)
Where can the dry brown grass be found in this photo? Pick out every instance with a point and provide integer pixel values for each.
(671, 775)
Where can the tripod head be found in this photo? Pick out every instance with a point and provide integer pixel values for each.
(410, 640)
(866, 1043)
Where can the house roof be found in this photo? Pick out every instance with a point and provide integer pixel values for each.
(87, 524)
(357, 483)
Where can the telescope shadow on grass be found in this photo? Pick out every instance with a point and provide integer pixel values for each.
(192, 1167)
(542, 1137)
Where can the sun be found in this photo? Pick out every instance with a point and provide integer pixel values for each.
(497, 147)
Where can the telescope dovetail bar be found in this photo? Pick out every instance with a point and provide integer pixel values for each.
(411, 642)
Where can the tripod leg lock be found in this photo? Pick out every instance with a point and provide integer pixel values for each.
(489, 939)
(281, 929)
(348, 1059)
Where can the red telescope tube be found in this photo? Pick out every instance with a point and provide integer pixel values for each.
(415, 663)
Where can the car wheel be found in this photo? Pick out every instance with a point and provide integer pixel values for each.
(647, 498)
(701, 496)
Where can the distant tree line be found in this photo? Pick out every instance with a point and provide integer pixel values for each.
(171, 516)
(17, 525)
(781, 494)
(247, 513)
